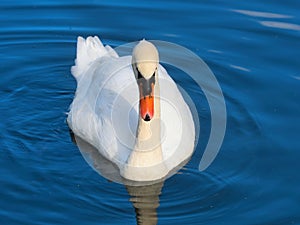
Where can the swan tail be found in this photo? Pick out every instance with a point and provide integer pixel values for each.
(89, 50)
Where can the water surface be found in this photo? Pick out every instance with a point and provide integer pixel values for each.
(251, 47)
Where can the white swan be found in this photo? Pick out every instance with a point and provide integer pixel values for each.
(130, 109)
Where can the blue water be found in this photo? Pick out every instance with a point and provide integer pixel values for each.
(252, 48)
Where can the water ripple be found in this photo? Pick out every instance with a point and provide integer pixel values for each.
(261, 14)
(281, 25)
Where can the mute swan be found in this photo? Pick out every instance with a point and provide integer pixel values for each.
(130, 110)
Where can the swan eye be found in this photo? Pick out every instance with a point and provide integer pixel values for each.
(139, 74)
(154, 72)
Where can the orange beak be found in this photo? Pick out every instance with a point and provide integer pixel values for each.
(146, 103)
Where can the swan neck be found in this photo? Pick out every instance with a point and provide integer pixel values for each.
(147, 150)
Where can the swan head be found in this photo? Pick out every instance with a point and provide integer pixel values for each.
(145, 61)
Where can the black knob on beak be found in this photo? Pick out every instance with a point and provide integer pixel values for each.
(147, 117)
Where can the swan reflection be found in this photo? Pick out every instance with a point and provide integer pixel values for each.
(145, 200)
(144, 196)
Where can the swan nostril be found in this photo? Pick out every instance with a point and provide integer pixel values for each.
(147, 117)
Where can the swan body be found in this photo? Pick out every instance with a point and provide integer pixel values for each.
(106, 110)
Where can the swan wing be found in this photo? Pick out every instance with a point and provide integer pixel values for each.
(102, 94)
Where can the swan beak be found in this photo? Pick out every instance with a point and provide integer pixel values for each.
(147, 108)
(147, 104)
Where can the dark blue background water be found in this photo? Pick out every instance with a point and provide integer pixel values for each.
(252, 48)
